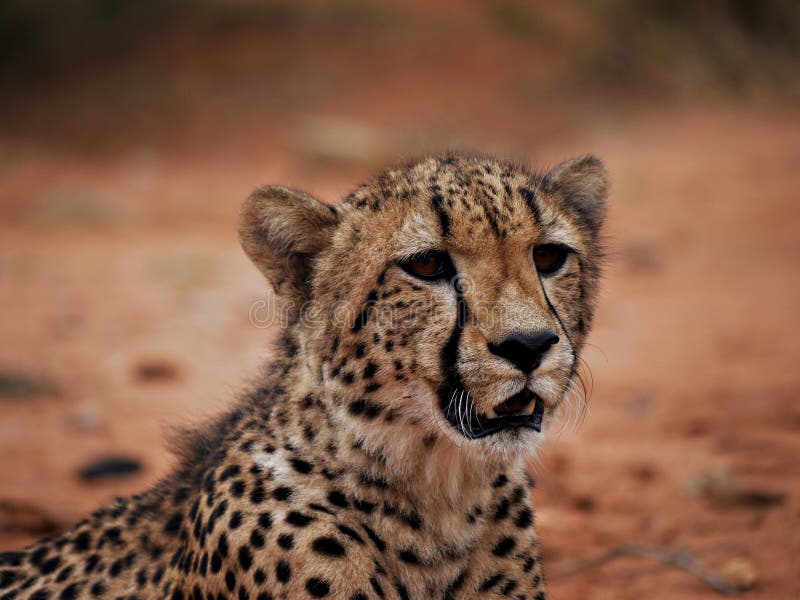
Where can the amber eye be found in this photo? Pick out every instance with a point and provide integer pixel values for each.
(549, 258)
(429, 265)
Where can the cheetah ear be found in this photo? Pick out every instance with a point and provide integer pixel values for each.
(282, 230)
(581, 186)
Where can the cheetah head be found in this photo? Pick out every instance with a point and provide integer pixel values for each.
(446, 299)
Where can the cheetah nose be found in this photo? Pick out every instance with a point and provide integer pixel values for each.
(524, 351)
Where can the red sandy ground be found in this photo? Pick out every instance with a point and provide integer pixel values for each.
(118, 247)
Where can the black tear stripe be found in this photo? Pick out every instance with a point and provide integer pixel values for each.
(530, 199)
(449, 356)
(574, 365)
(444, 219)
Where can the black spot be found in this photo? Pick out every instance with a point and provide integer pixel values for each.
(490, 582)
(237, 488)
(245, 558)
(256, 539)
(328, 546)
(298, 519)
(524, 518)
(377, 587)
(528, 564)
(216, 562)
(364, 506)
(39, 555)
(500, 481)
(318, 588)
(283, 572)
(409, 556)
(222, 545)
(257, 495)
(351, 533)
(91, 563)
(320, 508)
(265, 520)
(46, 567)
(286, 541)
(282, 493)
(7, 577)
(12, 559)
(231, 471)
(236, 520)
(301, 466)
(82, 541)
(376, 539)
(70, 592)
(504, 546)
(509, 587)
(158, 575)
(64, 574)
(412, 519)
(402, 591)
(370, 370)
(455, 585)
(369, 480)
(502, 510)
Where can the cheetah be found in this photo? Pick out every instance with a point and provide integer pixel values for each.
(432, 326)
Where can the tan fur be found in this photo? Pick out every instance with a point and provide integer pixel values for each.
(339, 475)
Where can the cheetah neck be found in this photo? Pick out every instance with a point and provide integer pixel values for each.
(424, 467)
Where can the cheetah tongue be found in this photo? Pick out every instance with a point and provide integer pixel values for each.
(483, 427)
(517, 403)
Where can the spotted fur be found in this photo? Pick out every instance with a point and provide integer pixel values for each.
(339, 475)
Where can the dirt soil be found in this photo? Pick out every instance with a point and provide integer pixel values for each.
(126, 299)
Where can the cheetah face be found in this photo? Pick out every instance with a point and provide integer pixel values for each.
(448, 298)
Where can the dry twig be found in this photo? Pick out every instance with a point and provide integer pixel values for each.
(680, 559)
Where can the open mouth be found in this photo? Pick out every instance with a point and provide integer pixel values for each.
(460, 412)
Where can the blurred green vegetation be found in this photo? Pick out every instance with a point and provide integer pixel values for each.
(669, 43)
(517, 18)
(637, 43)
(40, 37)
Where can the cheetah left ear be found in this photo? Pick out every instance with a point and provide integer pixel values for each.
(581, 186)
(282, 231)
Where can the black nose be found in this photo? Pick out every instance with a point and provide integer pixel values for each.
(524, 351)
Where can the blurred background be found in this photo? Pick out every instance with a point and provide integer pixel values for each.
(131, 130)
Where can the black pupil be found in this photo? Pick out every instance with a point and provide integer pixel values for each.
(428, 266)
(549, 259)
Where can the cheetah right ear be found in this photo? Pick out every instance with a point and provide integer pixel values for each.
(581, 186)
(282, 230)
